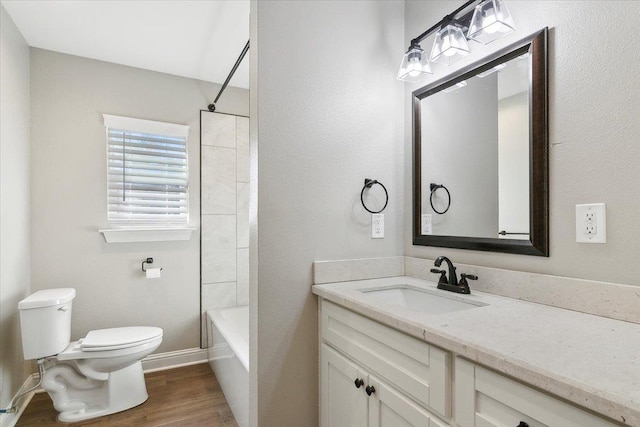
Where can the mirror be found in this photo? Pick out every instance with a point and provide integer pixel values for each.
(480, 139)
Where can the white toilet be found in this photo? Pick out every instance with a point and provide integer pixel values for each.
(98, 375)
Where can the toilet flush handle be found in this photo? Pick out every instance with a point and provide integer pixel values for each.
(63, 308)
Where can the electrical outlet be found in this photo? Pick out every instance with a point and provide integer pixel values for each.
(377, 226)
(591, 226)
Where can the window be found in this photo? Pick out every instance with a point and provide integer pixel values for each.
(147, 173)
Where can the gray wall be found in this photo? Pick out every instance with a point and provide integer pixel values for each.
(593, 123)
(68, 174)
(328, 112)
(14, 202)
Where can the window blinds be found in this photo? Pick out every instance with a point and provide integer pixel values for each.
(147, 181)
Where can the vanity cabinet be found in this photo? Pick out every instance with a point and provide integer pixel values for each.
(408, 379)
(374, 375)
(484, 398)
(352, 397)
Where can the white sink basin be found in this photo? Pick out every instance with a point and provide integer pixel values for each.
(426, 301)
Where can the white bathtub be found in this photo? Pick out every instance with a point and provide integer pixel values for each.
(229, 357)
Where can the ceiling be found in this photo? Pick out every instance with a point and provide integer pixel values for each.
(196, 39)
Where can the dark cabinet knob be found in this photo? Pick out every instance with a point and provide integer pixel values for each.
(359, 382)
(370, 390)
(523, 424)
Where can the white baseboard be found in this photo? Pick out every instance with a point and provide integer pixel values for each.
(174, 359)
(219, 351)
(10, 420)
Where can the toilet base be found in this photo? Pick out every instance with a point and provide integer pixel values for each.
(125, 389)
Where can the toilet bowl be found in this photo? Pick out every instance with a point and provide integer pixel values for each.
(97, 375)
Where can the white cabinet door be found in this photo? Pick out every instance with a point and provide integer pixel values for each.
(389, 408)
(342, 404)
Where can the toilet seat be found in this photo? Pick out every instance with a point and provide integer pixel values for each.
(118, 338)
(114, 342)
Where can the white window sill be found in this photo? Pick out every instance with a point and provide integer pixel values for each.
(130, 235)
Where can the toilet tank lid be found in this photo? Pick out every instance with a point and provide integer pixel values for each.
(47, 298)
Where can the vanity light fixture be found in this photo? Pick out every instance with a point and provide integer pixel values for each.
(450, 45)
(491, 20)
(481, 20)
(414, 65)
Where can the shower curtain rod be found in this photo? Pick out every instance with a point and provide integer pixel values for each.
(212, 106)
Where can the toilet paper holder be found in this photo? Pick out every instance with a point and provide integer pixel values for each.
(148, 261)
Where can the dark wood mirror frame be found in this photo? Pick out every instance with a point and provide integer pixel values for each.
(538, 243)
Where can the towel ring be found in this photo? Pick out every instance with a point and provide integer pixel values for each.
(433, 188)
(368, 183)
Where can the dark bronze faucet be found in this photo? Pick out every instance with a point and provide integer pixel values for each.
(452, 283)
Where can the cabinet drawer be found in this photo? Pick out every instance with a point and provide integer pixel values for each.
(408, 364)
(485, 398)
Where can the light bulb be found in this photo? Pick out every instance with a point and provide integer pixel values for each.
(488, 24)
(447, 49)
(414, 68)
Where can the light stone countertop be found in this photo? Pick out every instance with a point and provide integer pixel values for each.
(589, 360)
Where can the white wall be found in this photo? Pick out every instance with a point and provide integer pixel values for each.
(328, 112)
(594, 104)
(14, 202)
(69, 95)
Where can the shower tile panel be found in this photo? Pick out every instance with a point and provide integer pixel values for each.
(242, 285)
(218, 295)
(215, 295)
(218, 130)
(224, 213)
(218, 173)
(242, 140)
(218, 248)
(243, 214)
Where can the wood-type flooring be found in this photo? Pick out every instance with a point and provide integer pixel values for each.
(188, 396)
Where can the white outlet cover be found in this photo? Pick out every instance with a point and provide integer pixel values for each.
(426, 227)
(591, 223)
(377, 226)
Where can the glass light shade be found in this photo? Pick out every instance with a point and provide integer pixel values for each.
(491, 20)
(449, 46)
(414, 66)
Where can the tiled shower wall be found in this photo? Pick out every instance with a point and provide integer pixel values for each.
(224, 173)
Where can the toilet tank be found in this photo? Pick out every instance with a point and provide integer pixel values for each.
(45, 320)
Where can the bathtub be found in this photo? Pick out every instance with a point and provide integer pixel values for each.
(229, 357)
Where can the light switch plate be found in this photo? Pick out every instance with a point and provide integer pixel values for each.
(377, 226)
(426, 227)
(591, 223)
